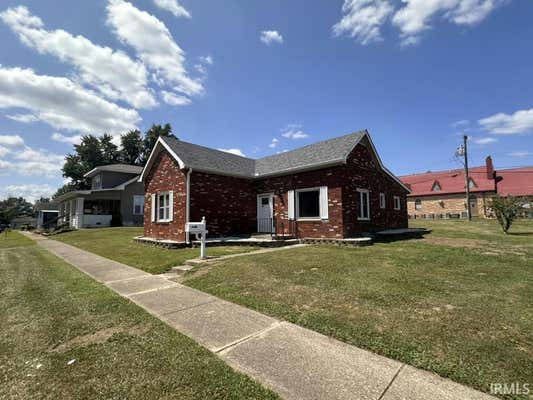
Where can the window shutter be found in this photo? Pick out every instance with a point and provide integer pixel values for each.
(153, 207)
(324, 202)
(171, 205)
(290, 204)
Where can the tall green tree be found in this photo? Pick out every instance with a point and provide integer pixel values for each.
(109, 150)
(150, 138)
(132, 147)
(14, 207)
(95, 151)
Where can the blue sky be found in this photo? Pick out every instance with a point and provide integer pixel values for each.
(265, 76)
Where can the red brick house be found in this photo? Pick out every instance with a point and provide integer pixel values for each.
(337, 188)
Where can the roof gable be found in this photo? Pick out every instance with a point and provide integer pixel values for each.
(318, 155)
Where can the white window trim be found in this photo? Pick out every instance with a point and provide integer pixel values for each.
(297, 205)
(170, 206)
(397, 203)
(361, 192)
(382, 200)
(143, 204)
(418, 204)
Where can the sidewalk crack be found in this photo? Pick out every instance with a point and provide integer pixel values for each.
(392, 381)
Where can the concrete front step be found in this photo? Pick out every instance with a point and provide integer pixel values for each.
(181, 269)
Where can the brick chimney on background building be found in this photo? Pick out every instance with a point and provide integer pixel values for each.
(490, 167)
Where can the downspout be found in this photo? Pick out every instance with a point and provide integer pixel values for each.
(188, 203)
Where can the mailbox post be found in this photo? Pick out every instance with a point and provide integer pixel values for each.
(199, 229)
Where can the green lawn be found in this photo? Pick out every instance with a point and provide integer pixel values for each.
(52, 314)
(9, 239)
(117, 244)
(459, 303)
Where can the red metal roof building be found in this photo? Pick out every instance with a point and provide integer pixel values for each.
(515, 182)
(441, 194)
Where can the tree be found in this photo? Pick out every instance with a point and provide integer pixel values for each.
(14, 207)
(150, 138)
(109, 150)
(93, 152)
(506, 209)
(89, 154)
(132, 147)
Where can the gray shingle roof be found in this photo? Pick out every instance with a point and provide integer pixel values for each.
(123, 168)
(319, 154)
(210, 160)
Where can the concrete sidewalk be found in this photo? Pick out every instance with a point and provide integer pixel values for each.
(294, 362)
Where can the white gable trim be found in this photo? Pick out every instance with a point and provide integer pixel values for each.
(377, 158)
(153, 154)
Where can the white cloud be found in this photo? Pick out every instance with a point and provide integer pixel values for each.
(58, 137)
(11, 140)
(174, 7)
(509, 124)
(415, 17)
(154, 45)
(4, 151)
(206, 60)
(294, 131)
(485, 140)
(520, 154)
(33, 162)
(274, 143)
(24, 118)
(30, 192)
(460, 123)
(175, 99)
(62, 103)
(269, 37)
(362, 19)
(237, 152)
(113, 73)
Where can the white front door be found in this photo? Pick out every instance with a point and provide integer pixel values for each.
(265, 212)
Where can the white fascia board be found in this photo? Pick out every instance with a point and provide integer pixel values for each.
(367, 134)
(149, 162)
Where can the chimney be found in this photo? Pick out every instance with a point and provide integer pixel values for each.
(490, 167)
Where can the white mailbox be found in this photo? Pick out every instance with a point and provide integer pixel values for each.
(195, 227)
(198, 229)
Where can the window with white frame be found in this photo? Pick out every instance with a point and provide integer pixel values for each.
(364, 204)
(308, 203)
(382, 201)
(97, 182)
(418, 204)
(138, 205)
(397, 203)
(163, 207)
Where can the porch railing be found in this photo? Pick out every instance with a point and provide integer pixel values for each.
(278, 228)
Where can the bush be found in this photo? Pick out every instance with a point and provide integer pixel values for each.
(506, 210)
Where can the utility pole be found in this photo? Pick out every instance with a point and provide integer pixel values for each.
(467, 178)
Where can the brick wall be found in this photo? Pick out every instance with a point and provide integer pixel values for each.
(449, 204)
(165, 175)
(362, 172)
(228, 203)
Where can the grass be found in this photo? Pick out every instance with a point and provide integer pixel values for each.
(11, 239)
(459, 303)
(51, 314)
(117, 244)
